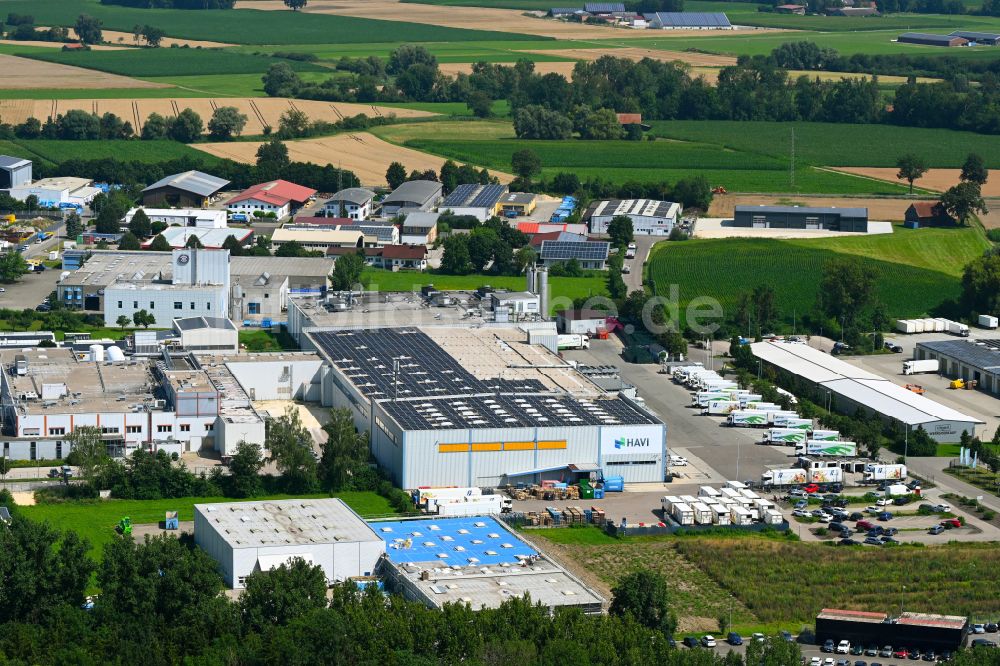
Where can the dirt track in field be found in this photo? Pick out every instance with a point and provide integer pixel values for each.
(937, 180)
(260, 111)
(25, 74)
(886, 210)
(363, 153)
(473, 18)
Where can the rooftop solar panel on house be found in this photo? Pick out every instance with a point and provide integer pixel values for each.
(565, 250)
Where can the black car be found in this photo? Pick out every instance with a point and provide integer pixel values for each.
(890, 531)
(857, 649)
(930, 656)
(787, 636)
(848, 542)
(856, 516)
(827, 646)
(900, 501)
(861, 662)
(915, 654)
(671, 642)
(982, 642)
(991, 627)
(877, 530)
(691, 642)
(836, 487)
(945, 655)
(734, 638)
(893, 347)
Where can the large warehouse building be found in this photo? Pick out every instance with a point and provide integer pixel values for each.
(851, 388)
(801, 217)
(247, 537)
(914, 630)
(976, 360)
(481, 407)
(649, 217)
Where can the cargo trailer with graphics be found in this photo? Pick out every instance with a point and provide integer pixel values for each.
(815, 447)
(785, 436)
(744, 418)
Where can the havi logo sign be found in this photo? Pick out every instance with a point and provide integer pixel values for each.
(631, 442)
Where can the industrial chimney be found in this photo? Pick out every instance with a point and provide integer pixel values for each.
(542, 282)
(531, 279)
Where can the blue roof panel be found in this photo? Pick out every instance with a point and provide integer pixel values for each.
(459, 540)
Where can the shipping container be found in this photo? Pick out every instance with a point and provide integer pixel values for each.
(682, 514)
(740, 516)
(988, 321)
(702, 514)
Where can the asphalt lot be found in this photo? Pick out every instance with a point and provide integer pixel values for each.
(29, 291)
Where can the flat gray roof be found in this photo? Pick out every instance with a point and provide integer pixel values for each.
(805, 210)
(983, 354)
(195, 323)
(192, 181)
(414, 190)
(286, 522)
(8, 162)
(421, 220)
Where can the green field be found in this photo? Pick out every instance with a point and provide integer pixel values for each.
(560, 287)
(629, 161)
(170, 62)
(502, 50)
(249, 26)
(834, 144)
(54, 151)
(95, 521)
(915, 270)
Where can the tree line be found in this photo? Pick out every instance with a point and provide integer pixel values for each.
(173, 4)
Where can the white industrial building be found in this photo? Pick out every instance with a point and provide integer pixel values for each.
(516, 303)
(480, 201)
(248, 537)
(14, 172)
(76, 192)
(971, 360)
(210, 238)
(850, 388)
(450, 406)
(198, 287)
(649, 217)
(201, 218)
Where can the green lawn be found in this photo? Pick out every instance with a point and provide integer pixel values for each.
(834, 144)
(915, 270)
(496, 50)
(265, 340)
(249, 26)
(561, 288)
(170, 62)
(96, 520)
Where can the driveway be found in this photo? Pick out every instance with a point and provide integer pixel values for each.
(643, 246)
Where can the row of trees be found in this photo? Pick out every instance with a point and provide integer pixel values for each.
(78, 125)
(961, 201)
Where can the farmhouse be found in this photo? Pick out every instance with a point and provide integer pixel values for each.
(279, 197)
(191, 189)
(412, 257)
(354, 203)
(790, 9)
(975, 360)
(76, 192)
(688, 21)
(802, 217)
(927, 39)
(14, 172)
(649, 217)
(413, 195)
(479, 201)
(985, 38)
(201, 218)
(927, 213)
(210, 239)
(420, 228)
(244, 537)
(591, 255)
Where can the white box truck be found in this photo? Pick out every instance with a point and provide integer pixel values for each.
(826, 475)
(784, 477)
(682, 514)
(988, 321)
(896, 490)
(822, 447)
(958, 328)
(721, 407)
(702, 398)
(743, 418)
(475, 506)
(573, 342)
(702, 514)
(708, 491)
(781, 419)
(740, 516)
(917, 366)
(875, 473)
(785, 436)
(825, 435)
(720, 515)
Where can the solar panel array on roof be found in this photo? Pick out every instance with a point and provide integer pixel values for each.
(565, 250)
(691, 19)
(604, 7)
(983, 354)
(489, 196)
(459, 196)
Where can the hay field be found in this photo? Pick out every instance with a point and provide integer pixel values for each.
(365, 154)
(259, 111)
(475, 18)
(25, 73)
(937, 180)
(882, 209)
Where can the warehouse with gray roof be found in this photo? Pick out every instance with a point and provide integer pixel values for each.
(190, 189)
(413, 195)
(975, 360)
(688, 21)
(828, 218)
(927, 39)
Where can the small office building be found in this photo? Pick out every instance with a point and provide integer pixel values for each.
(413, 195)
(802, 217)
(354, 203)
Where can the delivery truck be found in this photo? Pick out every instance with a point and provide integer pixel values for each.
(762, 406)
(784, 477)
(785, 436)
(682, 513)
(819, 447)
(826, 475)
(421, 495)
(743, 418)
(958, 328)
(917, 366)
(783, 418)
(988, 321)
(875, 473)
(721, 407)
(573, 342)
(897, 490)
(825, 435)
(702, 398)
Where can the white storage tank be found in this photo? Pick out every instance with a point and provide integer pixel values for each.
(97, 353)
(115, 354)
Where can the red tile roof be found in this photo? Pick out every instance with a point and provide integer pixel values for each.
(324, 221)
(927, 209)
(276, 192)
(404, 251)
(536, 239)
(629, 118)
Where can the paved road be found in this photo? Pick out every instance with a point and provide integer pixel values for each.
(643, 245)
(32, 288)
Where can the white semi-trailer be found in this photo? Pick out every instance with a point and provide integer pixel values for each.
(874, 473)
(923, 365)
(784, 477)
(785, 436)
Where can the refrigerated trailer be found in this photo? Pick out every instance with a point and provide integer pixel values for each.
(924, 365)
(721, 407)
(875, 473)
(825, 435)
(708, 491)
(740, 516)
(816, 447)
(720, 514)
(783, 419)
(784, 477)
(826, 475)
(682, 513)
(702, 514)
(747, 417)
(785, 436)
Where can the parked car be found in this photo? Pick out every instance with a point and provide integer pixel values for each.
(941, 508)
(887, 539)
(890, 531)
(802, 513)
(837, 487)
(734, 638)
(815, 661)
(856, 516)
(857, 649)
(983, 642)
(708, 641)
(937, 529)
(848, 542)
(787, 636)
(678, 461)
(801, 504)
(901, 653)
(978, 629)
(828, 646)
(691, 642)
(871, 651)
(949, 523)
(811, 488)
(885, 515)
(929, 656)
(885, 501)
(865, 525)
(893, 347)
(843, 647)
(915, 654)
(757, 637)
(885, 651)
(992, 627)
(796, 492)
(872, 541)
(860, 662)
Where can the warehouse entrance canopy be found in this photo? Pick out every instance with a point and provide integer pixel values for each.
(576, 468)
(268, 562)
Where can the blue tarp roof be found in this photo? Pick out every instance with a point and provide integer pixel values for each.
(460, 539)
